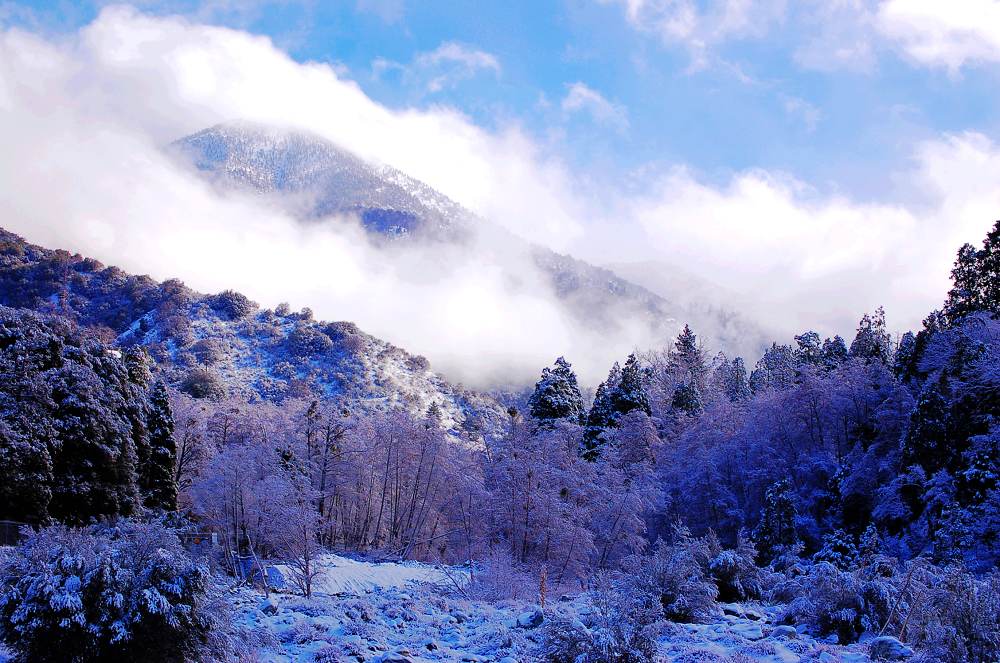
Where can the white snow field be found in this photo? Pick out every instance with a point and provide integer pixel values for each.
(408, 612)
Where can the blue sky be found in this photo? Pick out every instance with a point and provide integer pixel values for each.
(806, 161)
(751, 104)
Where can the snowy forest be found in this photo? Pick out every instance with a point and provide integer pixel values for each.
(838, 499)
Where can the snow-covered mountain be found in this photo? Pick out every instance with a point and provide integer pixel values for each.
(225, 346)
(319, 179)
(314, 178)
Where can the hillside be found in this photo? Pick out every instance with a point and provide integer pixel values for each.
(225, 345)
(314, 179)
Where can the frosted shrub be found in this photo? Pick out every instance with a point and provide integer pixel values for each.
(676, 574)
(232, 305)
(954, 616)
(123, 593)
(736, 574)
(621, 627)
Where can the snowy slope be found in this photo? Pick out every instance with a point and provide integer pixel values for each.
(313, 178)
(412, 612)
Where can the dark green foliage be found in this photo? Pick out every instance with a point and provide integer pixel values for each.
(928, 440)
(776, 530)
(838, 549)
(306, 340)
(231, 305)
(104, 594)
(203, 383)
(687, 399)
(557, 395)
(621, 393)
(976, 279)
(156, 477)
(834, 352)
(72, 423)
(775, 370)
(872, 341)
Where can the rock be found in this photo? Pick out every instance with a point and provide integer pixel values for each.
(784, 631)
(887, 648)
(752, 613)
(268, 606)
(431, 645)
(531, 619)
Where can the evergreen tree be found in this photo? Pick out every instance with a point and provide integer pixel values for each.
(776, 529)
(557, 395)
(687, 399)
(688, 361)
(834, 352)
(872, 341)
(810, 348)
(906, 354)
(927, 440)
(599, 417)
(838, 549)
(989, 270)
(966, 294)
(775, 370)
(731, 377)
(630, 393)
(157, 481)
(871, 542)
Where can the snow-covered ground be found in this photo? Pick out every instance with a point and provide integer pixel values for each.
(393, 613)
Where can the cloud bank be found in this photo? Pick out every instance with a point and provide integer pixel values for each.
(84, 118)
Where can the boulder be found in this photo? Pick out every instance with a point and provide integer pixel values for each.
(268, 606)
(784, 631)
(887, 648)
(531, 619)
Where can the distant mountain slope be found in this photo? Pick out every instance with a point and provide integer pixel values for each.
(224, 344)
(705, 306)
(313, 178)
(322, 180)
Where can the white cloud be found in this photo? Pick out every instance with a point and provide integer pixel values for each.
(800, 258)
(581, 98)
(84, 118)
(84, 121)
(801, 109)
(444, 67)
(699, 27)
(944, 34)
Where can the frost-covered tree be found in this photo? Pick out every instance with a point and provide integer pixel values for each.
(687, 361)
(156, 475)
(775, 370)
(601, 413)
(776, 530)
(834, 352)
(687, 399)
(809, 348)
(557, 395)
(630, 394)
(872, 341)
(113, 594)
(731, 378)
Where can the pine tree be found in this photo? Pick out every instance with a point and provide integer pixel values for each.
(834, 352)
(688, 361)
(872, 341)
(731, 377)
(989, 271)
(838, 549)
(810, 348)
(927, 440)
(776, 529)
(966, 294)
(557, 395)
(871, 542)
(631, 393)
(599, 417)
(775, 370)
(157, 475)
(687, 399)
(906, 353)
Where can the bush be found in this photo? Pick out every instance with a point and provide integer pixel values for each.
(954, 616)
(736, 573)
(621, 627)
(675, 574)
(203, 383)
(232, 305)
(122, 593)
(306, 341)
